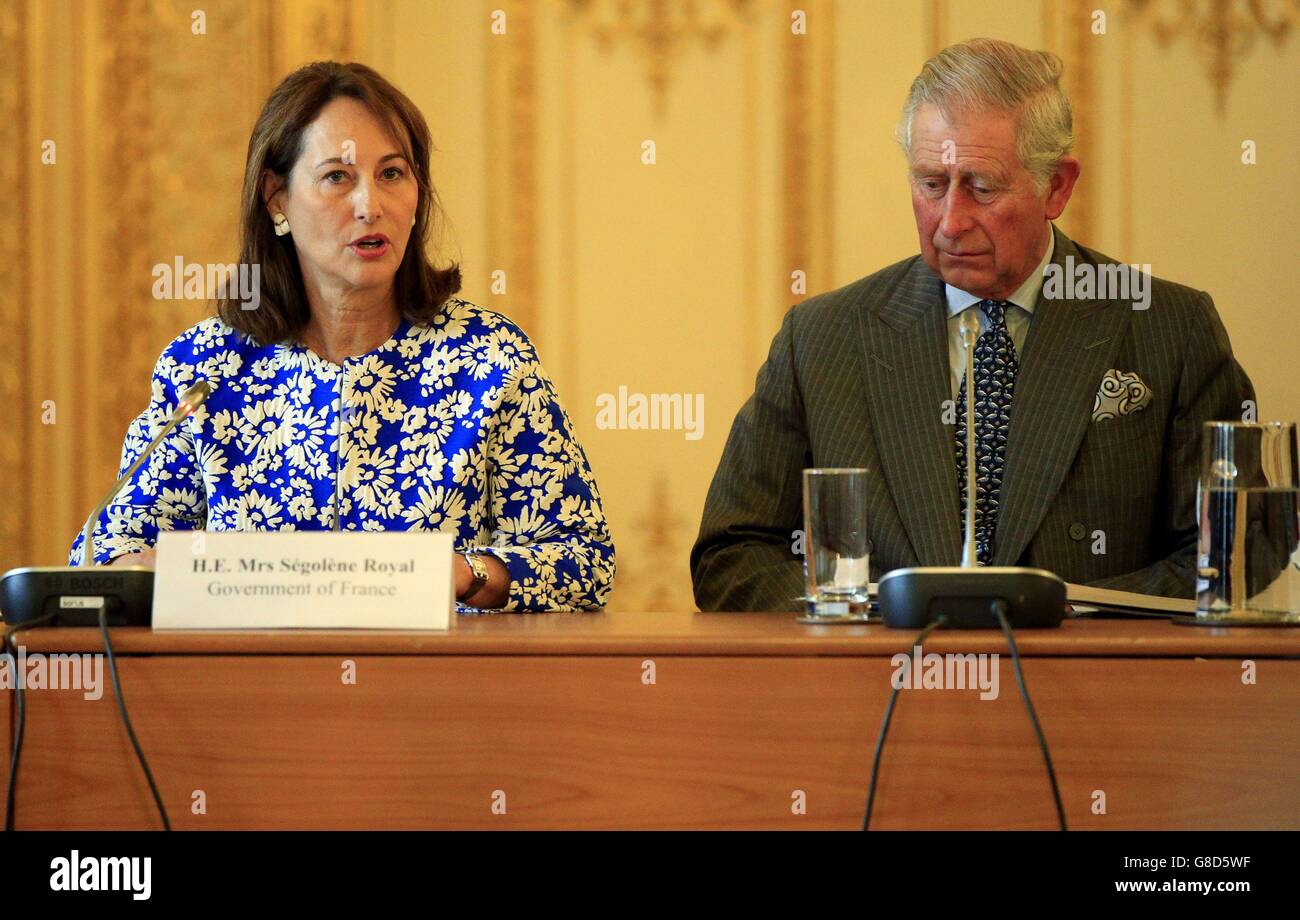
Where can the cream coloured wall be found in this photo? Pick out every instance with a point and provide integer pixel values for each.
(1175, 193)
(657, 278)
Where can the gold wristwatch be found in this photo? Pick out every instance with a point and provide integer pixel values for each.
(478, 568)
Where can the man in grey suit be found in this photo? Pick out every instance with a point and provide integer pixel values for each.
(1092, 380)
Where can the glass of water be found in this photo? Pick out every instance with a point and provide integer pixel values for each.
(836, 546)
(1248, 505)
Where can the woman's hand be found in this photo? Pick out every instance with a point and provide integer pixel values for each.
(494, 592)
(462, 574)
(146, 558)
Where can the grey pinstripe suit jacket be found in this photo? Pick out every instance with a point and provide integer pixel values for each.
(857, 378)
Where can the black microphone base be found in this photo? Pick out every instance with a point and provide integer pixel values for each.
(73, 595)
(913, 598)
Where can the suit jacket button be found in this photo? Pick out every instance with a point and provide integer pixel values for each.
(1078, 531)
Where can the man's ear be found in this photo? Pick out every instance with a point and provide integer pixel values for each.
(1061, 186)
(273, 192)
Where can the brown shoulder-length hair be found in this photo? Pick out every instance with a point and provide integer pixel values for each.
(276, 143)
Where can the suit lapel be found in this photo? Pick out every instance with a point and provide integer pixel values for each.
(907, 371)
(1071, 344)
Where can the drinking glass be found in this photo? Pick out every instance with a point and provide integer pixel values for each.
(836, 545)
(1248, 505)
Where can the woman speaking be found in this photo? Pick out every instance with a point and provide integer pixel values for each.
(358, 393)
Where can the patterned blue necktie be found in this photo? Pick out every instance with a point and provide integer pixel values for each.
(995, 382)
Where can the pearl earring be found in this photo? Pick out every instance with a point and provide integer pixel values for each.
(281, 225)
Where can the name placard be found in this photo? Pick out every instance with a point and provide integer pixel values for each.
(304, 579)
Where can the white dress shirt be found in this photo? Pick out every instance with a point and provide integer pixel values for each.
(1018, 316)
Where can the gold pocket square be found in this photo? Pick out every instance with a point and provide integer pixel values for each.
(1121, 393)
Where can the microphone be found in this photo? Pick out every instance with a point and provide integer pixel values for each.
(969, 595)
(194, 397)
(76, 595)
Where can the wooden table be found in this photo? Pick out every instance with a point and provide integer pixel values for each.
(665, 720)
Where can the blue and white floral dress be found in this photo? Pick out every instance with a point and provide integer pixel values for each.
(451, 426)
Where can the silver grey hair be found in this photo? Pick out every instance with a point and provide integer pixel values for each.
(985, 74)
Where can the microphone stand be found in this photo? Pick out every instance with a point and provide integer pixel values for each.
(69, 595)
(966, 596)
(194, 397)
(970, 330)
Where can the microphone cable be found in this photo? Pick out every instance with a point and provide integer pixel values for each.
(999, 609)
(126, 720)
(21, 721)
(19, 682)
(889, 715)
